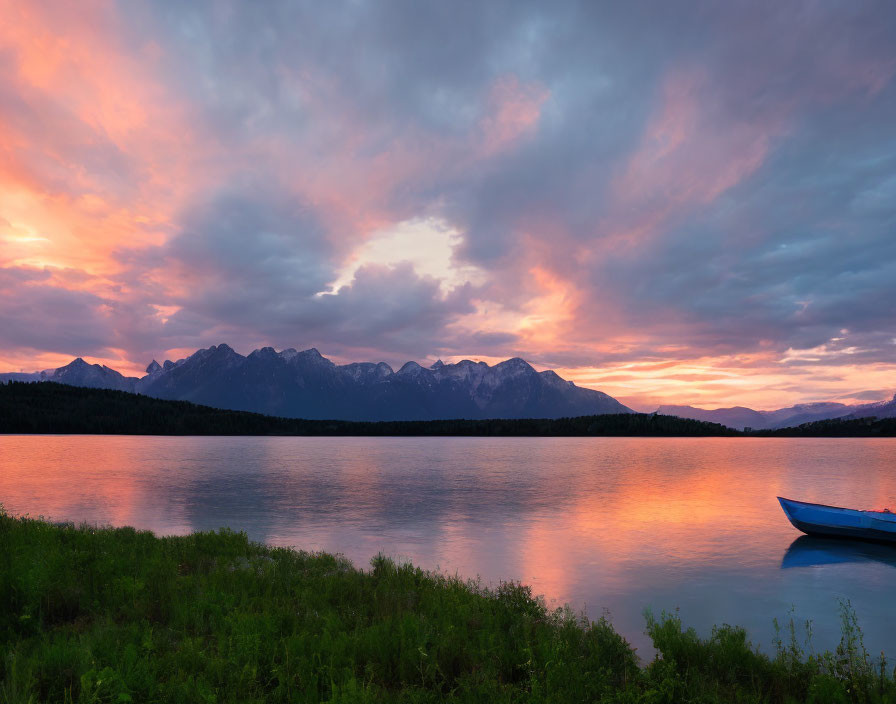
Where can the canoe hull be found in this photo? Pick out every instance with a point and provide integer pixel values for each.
(840, 532)
(833, 521)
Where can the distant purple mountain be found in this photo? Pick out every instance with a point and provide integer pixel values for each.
(78, 373)
(881, 409)
(740, 417)
(736, 417)
(307, 385)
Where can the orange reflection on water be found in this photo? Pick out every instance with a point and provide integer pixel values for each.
(616, 523)
(704, 506)
(79, 478)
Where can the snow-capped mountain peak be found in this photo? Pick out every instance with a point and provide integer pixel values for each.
(308, 385)
(410, 369)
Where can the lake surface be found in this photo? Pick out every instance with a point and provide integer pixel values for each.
(604, 524)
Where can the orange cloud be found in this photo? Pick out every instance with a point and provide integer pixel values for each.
(98, 150)
(103, 148)
(754, 380)
(550, 310)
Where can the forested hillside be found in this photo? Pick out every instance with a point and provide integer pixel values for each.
(838, 428)
(47, 407)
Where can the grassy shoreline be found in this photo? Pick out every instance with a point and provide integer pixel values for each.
(119, 615)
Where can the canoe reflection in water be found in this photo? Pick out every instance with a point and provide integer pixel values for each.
(811, 551)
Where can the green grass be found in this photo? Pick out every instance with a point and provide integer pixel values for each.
(119, 615)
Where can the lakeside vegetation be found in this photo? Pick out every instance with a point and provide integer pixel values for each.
(48, 407)
(119, 615)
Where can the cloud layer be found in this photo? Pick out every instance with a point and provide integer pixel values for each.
(689, 205)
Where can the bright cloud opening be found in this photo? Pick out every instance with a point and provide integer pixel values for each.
(427, 243)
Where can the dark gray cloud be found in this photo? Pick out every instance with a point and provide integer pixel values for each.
(680, 180)
(796, 247)
(253, 265)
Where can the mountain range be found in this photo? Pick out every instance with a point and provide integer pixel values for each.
(739, 417)
(305, 384)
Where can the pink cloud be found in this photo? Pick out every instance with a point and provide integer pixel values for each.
(687, 157)
(103, 149)
(97, 149)
(514, 109)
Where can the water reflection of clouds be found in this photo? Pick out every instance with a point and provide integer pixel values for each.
(621, 523)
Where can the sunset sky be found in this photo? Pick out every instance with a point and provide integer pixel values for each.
(672, 202)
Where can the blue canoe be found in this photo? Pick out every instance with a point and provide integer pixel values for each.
(818, 519)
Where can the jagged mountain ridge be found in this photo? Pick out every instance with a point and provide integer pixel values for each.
(307, 385)
(740, 417)
(78, 373)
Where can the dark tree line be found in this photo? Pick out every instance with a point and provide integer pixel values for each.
(48, 407)
(837, 428)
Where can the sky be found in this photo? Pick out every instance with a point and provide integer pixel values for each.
(689, 202)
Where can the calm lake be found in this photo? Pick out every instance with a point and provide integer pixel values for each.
(604, 524)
